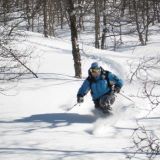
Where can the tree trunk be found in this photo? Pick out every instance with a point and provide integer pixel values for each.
(103, 41)
(158, 12)
(97, 24)
(61, 13)
(28, 10)
(147, 21)
(74, 39)
(32, 18)
(45, 25)
(51, 18)
(140, 34)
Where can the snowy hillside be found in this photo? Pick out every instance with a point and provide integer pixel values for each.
(36, 122)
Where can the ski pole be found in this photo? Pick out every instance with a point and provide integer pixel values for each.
(126, 97)
(73, 107)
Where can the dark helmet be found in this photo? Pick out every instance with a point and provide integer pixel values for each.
(95, 65)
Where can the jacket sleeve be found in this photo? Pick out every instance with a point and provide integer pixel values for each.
(114, 80)
(84, 89)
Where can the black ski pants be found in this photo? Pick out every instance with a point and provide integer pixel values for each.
(105, 100)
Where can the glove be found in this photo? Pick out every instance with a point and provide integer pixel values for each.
(80, 99)
(117, 89)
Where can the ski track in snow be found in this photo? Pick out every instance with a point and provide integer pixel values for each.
(102, 58)
(111, 63)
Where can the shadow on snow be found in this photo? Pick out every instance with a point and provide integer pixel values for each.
(67, 153)
(56, 119)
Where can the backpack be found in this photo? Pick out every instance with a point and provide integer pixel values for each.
(104, 74)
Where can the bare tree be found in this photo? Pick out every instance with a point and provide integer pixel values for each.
(141, 18)
(74, 38)
(30, 9)
(13, 63)
(146, 145)
(144, 73)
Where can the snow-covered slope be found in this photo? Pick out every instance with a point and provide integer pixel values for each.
(36, 122)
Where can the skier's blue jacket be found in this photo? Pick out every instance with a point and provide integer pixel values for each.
(100, 85)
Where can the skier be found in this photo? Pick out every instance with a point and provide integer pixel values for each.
(103, 86)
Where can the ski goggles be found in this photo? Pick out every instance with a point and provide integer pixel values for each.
(95, 70)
